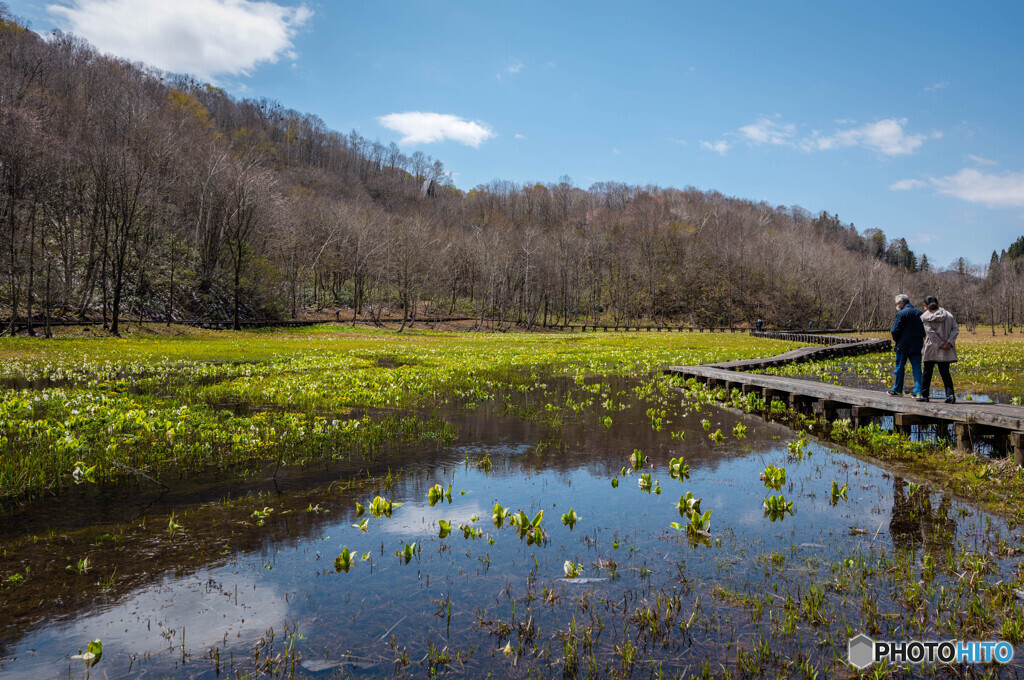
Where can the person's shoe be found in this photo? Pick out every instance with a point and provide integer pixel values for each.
(921, 397)
(951, 399)
(894, 394)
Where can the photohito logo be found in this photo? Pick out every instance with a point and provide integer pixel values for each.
(863, 651)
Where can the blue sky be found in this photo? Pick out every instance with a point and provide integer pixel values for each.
(898, 116)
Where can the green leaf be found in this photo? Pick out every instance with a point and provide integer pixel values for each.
(343, 562)
(92, 654)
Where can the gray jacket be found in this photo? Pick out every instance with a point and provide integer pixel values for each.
(939, 327)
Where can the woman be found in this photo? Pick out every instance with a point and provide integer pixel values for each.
(940, 331)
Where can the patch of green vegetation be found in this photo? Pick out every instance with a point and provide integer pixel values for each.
(146, 406)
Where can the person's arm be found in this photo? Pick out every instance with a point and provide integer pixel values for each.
(897, 328)
(953, 333)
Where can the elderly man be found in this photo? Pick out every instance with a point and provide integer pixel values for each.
(908, 340)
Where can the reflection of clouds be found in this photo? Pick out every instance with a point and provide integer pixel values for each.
(151, 622)
(416, 519)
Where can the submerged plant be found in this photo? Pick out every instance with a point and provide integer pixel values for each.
(445, 528)
(572, 569)
(678, 469)
(529, 529)
(777, 507)
(262, 515)
(797, 446)
(80, 567)
(688, 504)
(91, 656)
(406, 552)
(499, 514)
(773, 477)
(174, 527)
(837, 492)
(343, 562)
(740, 431)
(570, 518)
(381, 507)
(364, 525)
(637, 459)
(435, 494)
(645, 482)
(717, 436)
(698, 524)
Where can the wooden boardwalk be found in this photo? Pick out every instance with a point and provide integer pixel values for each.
(797, 356)
(1000, 425)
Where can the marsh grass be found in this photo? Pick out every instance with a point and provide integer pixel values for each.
(738, 602)
(146, 407)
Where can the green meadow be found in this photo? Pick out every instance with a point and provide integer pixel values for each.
(104, 409)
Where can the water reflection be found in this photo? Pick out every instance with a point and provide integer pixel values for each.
(915, 523)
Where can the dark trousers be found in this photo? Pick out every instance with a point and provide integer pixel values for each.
(947, 379)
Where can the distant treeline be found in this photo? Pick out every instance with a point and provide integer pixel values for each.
(126, 191)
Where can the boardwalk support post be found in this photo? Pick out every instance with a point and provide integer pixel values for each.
(801, 403)
(964, 438)
(1017, 441)
(903, 422)
(826, 408)
(862, 415)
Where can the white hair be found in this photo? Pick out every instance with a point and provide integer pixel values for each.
(902, 298)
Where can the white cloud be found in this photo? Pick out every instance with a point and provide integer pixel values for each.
(906, 184)
(418, 127)
(520, 136)
(766, 131)
(719, 147)
(885, 136)
(996, 191)
(920, 238)
(512, 69)
(981, 161)
(201, 37)
(937, 86)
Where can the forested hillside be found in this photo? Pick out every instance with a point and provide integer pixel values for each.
(125, 192)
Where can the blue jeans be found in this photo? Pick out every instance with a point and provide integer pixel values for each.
(901, 369)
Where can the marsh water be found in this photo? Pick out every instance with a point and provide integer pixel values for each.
(241, 581)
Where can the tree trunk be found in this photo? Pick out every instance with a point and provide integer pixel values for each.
(238, 277)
